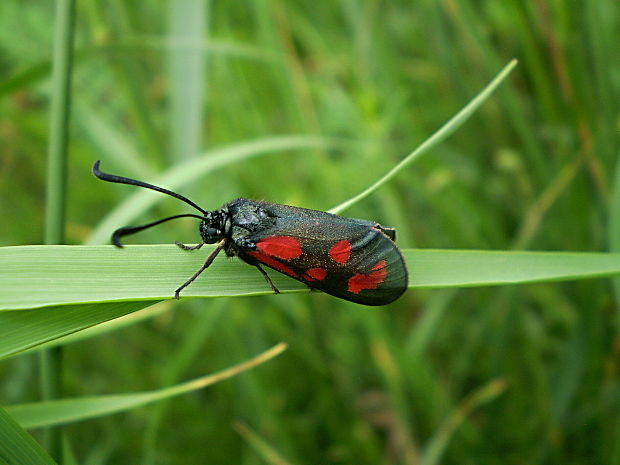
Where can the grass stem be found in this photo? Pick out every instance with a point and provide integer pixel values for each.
(51, 360)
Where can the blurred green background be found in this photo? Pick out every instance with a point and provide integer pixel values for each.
(508, 375)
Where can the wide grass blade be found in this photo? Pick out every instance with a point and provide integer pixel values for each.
(17, 446)
(38, 414)
(116, 324)
(28, 329)
(473, 268)
(50, 292)
(40, 276)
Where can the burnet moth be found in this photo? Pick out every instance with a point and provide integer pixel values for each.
(355, 260)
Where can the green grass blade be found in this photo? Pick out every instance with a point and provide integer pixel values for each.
(60, 290)
(28, 329)
(187, 76)
(192, 170)
(473, 268)
(441, 134)
(40, 276)
(129, 317)
(63, 411)
(17, 446)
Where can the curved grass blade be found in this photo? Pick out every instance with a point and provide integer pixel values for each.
(442, 133)
(28, 329)
(151, 311)
(56, 412)
(193, 169)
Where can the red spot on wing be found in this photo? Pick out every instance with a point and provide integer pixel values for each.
(341, 251)
(273, 263)
(284, 247)
(380, 265)
(315, 274)
(359, 282)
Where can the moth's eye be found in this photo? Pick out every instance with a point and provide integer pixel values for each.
(210, 234)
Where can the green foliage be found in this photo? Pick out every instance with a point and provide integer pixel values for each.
(309, 104)
(17, 446)
(61, 290)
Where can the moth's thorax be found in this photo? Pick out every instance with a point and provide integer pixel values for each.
(249, 215)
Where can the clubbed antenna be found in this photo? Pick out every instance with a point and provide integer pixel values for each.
(134, 182)
(127, 230)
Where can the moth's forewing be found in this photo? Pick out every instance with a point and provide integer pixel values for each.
(348, 258)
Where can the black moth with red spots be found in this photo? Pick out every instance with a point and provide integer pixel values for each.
(355, 260)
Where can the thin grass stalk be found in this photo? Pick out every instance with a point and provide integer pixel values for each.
(438, 136)
(51, 360)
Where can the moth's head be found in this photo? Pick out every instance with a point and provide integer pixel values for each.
(212, 227)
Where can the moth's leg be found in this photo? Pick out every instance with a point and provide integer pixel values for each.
(242, 243)
(268, 279)
(208, 261)
(188, 247)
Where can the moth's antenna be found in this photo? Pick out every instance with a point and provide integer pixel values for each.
(134, 182)
(127, 230)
